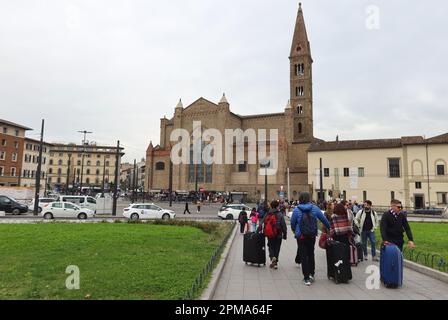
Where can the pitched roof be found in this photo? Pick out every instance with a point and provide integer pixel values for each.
(443, 138)
(14, 124)
(375, 143)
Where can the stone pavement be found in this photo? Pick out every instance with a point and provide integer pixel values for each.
(239, 281)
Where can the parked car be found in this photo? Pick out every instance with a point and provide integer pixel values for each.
(232, 211)
(143, 211)
(87, 202)
(429, 211)
(42, 202)
(10, 205)
(61, 209)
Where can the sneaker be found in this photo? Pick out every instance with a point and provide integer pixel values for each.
(312, 279)
(273, 262)
(276, 266)
(307, 282)
(375, 258)
(365, 258)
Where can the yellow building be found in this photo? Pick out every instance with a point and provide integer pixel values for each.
(410, 169)
(81, 165)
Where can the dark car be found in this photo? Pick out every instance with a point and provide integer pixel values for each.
(429, 211)
(9, 205)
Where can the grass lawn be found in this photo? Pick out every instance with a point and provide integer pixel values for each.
(428, 238)
(116, 261)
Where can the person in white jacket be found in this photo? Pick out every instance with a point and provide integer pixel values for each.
(367, 221)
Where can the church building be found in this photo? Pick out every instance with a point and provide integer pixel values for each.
(295, 134)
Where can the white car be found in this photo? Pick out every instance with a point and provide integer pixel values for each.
(232, 211)
(61, 209)
(42, 202)
(144, 211)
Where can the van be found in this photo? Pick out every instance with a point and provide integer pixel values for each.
(81, 201)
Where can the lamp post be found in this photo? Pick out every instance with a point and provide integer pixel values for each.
(68, 174)
(82, 158)
(265, 164)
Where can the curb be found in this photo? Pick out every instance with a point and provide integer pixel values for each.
(209, 292)
(435, 274)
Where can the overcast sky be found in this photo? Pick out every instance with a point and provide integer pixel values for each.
(116, 67)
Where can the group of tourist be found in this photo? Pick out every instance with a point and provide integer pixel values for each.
(342, 221)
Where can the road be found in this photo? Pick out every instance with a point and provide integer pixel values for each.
(209, 211)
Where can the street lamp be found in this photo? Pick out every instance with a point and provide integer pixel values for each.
(265, 163)
(82, 159)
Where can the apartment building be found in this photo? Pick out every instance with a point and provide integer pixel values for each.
(31, 161)
(74, 166)
(12, 136)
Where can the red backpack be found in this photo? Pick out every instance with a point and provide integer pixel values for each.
(270, 226)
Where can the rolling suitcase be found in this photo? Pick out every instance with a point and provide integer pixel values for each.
(254, 248)
(338, 261)
(360, 253)
(353, 255)
(391, 265)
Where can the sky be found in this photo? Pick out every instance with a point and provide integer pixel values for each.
(115, 67)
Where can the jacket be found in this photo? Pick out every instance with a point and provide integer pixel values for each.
(340, 226)
(242, 218)
(361, 218)
(392, 228)
(280, 222)
(297, 217)
(254, 216)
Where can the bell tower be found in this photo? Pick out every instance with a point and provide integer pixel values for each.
(301, 84)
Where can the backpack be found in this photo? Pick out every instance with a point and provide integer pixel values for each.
(270, 226)
(308, 227)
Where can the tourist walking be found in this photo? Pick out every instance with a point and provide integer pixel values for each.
(367, 221)
(274, 228)
(392, 225)
(253, 219)
(304, 226)
(186, 208)
(242, 218)
(341, 231)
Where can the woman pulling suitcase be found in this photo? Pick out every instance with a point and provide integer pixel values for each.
(338, 257)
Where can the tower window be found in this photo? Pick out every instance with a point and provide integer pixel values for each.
(299, 109)
(300, 91)
(300, 128)
(299, 69)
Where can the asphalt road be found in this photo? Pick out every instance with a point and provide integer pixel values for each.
(209, 211)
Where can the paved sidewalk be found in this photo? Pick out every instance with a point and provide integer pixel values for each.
(246, 282)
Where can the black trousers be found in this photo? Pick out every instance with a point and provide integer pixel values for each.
(274, 245)
(242, 226)
(306, 251)
(186, 210)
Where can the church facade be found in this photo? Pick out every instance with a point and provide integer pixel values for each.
(295, 134)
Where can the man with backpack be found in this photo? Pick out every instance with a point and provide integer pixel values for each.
(304, 226)
(242, 218)
(275, 229)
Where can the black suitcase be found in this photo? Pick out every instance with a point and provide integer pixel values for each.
(338, 261)
(360, 252)
(254, 248)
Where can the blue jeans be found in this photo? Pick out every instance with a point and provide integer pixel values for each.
(371, 236)
(254, 226)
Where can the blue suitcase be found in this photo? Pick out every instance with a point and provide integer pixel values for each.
(391, 266)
